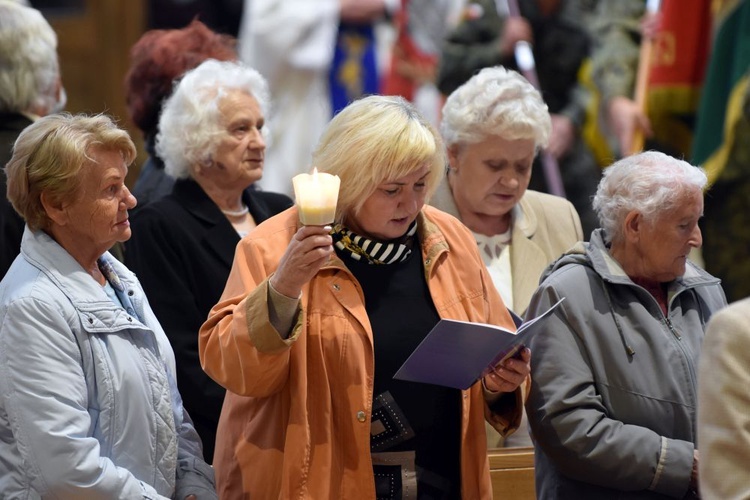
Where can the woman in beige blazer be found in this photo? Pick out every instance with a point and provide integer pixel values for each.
(493, 126)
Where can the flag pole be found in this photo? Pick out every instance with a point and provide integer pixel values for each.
(527, 66)
(641, 84)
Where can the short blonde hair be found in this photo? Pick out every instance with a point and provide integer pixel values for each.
(50, 156)
(373, 140)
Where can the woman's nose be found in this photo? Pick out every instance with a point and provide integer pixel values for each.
(510, 181)
(128, 199)
(410, 201)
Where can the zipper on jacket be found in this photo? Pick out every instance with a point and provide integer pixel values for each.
(672, 329)
(689, 365)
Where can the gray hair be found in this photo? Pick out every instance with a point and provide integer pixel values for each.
(29, 69)
(191, 122)
(650, 183)
(495, 102)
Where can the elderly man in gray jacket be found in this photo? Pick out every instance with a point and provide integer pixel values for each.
(612, 406)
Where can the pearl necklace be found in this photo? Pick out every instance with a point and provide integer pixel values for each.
(237, 213)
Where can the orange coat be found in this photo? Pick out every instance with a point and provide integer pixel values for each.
(298, 423)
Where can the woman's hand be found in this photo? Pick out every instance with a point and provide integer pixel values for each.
(309, 249)
(651, 25)
(508, 375)
(516, 29)
(694, 474)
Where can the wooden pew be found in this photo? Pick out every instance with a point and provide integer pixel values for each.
(512, 473)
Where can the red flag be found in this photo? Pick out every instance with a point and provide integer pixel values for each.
(678, 65)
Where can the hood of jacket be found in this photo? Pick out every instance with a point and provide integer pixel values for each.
(595, 254)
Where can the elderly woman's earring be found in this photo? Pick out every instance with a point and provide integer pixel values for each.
(204, 163)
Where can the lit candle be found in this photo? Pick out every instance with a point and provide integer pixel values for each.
(316, 195)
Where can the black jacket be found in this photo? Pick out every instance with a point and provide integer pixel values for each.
(11, 224)
(182, 249)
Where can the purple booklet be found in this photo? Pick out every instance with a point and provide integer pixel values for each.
(458, 353)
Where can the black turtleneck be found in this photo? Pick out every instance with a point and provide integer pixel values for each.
(401, 313)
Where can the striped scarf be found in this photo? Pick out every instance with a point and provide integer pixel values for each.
(374, 252)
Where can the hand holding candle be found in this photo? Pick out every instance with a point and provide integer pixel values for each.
(316, 195)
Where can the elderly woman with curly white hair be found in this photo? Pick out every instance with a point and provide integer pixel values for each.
(493, 127)
(613, 400)
(211, 140)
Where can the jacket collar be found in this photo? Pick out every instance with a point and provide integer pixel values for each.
(431, 240)
(84, 293)
(196, 201)
(523, 219)
(220, 235)
(597, 254)
(524, 252)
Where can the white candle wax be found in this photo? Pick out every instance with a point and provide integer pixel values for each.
(316, 195)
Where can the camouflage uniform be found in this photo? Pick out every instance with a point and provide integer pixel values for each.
(616, 37)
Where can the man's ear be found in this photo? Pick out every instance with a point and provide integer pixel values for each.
(633, 226)
(56, 210)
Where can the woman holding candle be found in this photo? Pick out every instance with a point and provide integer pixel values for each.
(314, 322)
(210, 140)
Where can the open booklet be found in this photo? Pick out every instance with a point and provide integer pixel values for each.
(458, 353)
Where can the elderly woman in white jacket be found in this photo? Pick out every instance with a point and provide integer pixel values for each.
(88, 403)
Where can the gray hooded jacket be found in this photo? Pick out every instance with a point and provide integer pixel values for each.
(613, 398)
(88, 404)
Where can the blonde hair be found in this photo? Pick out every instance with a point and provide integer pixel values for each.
(50, 156)
(374, 140)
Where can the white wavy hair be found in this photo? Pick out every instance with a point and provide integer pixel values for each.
(651, 183)
(190, 123)
(495, 102)
(29, 68)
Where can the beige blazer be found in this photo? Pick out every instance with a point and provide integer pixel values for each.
(724, 405)
(544, 227)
